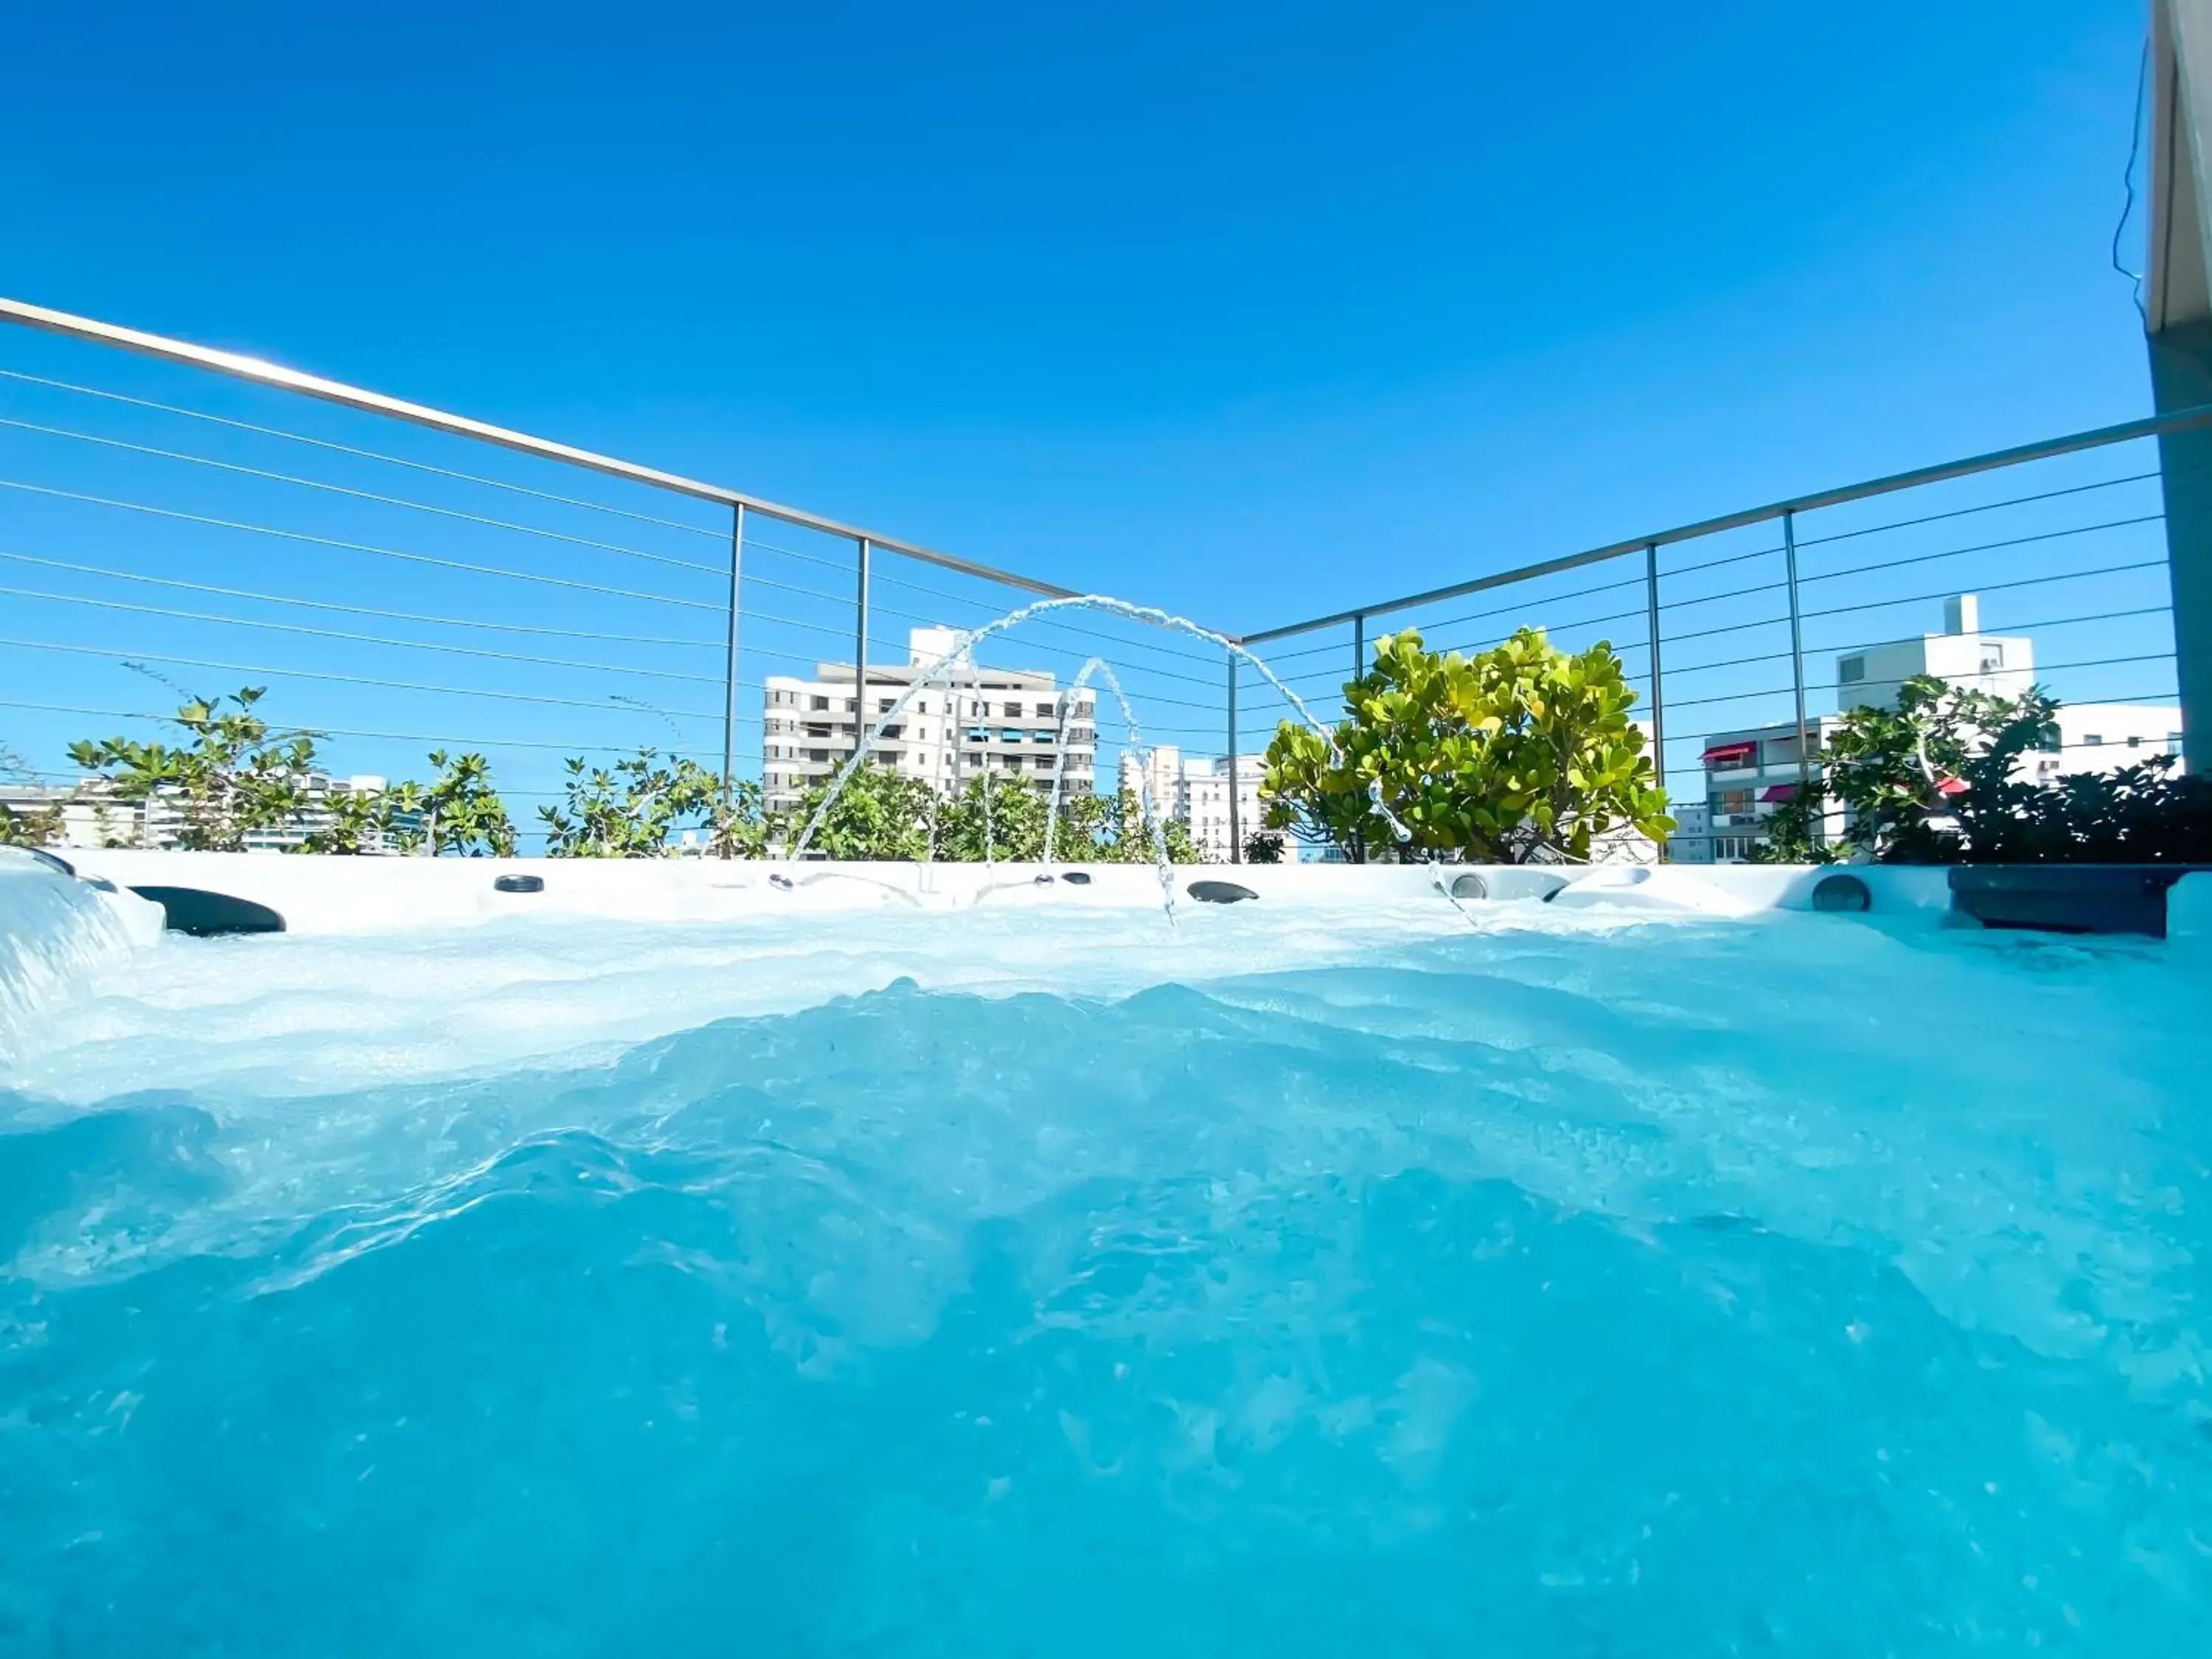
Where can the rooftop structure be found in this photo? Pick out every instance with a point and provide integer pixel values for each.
(2002, 664)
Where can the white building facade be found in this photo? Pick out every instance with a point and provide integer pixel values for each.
(2002, 664)
(91, 816)
(1751, 772)
(1691, 839)
(1014, 723)
(1195, 790)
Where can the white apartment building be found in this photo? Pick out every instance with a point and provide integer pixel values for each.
(1195, 790)
(91, 816)
(1692, 840)
(2103, 737)
(1749, 773)
(1015, 723)
(320, 788)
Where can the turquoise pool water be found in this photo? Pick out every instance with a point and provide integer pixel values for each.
(1295, 1283)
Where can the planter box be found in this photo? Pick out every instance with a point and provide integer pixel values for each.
(2068, 898)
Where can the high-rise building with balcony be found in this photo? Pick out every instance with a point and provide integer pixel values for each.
(1014, 723)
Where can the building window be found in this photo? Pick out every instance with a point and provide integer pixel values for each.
(1731, 800)
(818, 702)
(1851, 670)
(1992, 655)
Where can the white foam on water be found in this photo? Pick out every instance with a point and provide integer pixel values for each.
(1999, 1115)
(1515, 1248)
(306, 1014)
(55, 933)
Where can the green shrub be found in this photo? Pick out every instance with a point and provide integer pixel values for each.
(234, 776)
(630, 810)
(879, 814)
(1520, 752)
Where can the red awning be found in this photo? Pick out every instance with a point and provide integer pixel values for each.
(1778, 792)
(1951, 787)
(1729, 751)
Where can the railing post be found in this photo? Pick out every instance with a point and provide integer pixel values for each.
(1796, 642)
(860, 654)
(1358, 668)
(730, 674)
(1236, 836)
(1658, 702)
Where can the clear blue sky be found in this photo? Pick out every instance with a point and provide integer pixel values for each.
(1241, 307)
(1254, 312)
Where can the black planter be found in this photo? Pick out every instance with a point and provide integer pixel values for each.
(2068, 898)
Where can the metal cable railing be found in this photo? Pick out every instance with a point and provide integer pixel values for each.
(577, 593)
(1718, 607)
(405, 502)
(342, 545)
(260, 596)
(1433, 632)
(184, 500)
(454, 740)
(472, 478)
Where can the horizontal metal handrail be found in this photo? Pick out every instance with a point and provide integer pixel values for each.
(2149, 427)
(240, 367)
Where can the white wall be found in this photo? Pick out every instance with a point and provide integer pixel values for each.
(2126, 733)
(2000, 664)
(328, 895)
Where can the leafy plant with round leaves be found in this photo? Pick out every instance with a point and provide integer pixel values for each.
(630, 809)
(1097, 829)
(458, 811)
(26, 826)
(1522, 752)
(879, 814)
(234, 775)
